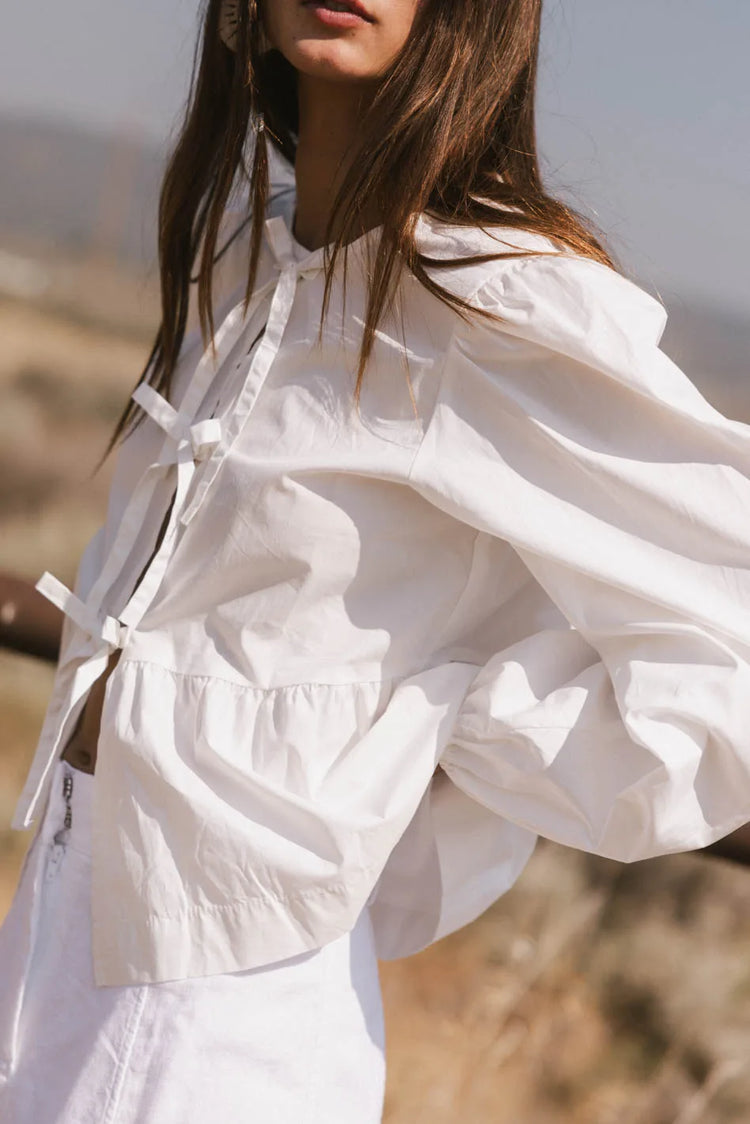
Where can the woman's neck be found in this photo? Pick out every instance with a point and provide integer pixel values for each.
(330, 115)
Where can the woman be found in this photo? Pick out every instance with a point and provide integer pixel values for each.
(426, 550)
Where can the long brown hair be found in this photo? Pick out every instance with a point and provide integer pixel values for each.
(450, 133)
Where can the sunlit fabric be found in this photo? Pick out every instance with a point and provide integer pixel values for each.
(525, 558)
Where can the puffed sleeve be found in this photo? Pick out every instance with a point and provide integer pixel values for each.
(566, 432)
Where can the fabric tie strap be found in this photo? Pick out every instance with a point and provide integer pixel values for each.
(103, 627)
(201, 437)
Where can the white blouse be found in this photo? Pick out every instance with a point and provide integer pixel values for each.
(526, 560)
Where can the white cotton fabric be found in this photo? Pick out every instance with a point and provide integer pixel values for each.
(527, 563)
(295, 1042)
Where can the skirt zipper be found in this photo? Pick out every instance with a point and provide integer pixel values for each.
(61, 836)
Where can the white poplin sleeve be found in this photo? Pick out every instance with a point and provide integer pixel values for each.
(566, 432)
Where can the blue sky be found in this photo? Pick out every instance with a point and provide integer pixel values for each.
(644, 111)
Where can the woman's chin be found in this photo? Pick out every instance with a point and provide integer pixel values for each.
(331, 61)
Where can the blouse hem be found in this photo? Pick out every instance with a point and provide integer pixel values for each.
(242, 935)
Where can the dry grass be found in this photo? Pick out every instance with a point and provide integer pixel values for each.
(590, 994)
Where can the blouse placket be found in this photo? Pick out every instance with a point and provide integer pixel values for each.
(187, 443)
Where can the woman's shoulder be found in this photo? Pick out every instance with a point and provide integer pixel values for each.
(540, 288)
(439, 241)
(437, 238)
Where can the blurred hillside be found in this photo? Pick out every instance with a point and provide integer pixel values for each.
(82, 192)
(592, 993)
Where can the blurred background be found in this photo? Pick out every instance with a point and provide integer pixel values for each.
(591, 993)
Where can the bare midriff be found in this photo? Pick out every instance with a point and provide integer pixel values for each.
(80, 748)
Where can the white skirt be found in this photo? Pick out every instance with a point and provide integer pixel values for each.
(300, 1041)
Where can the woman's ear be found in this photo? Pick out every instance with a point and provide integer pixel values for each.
(229, 21)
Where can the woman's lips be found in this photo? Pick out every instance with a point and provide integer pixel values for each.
(354, 15)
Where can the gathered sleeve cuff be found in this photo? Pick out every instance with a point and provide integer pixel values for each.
(566, 432)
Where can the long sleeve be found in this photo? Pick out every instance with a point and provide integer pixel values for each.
(566, 432)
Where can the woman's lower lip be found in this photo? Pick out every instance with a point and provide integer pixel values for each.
(331, 18)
